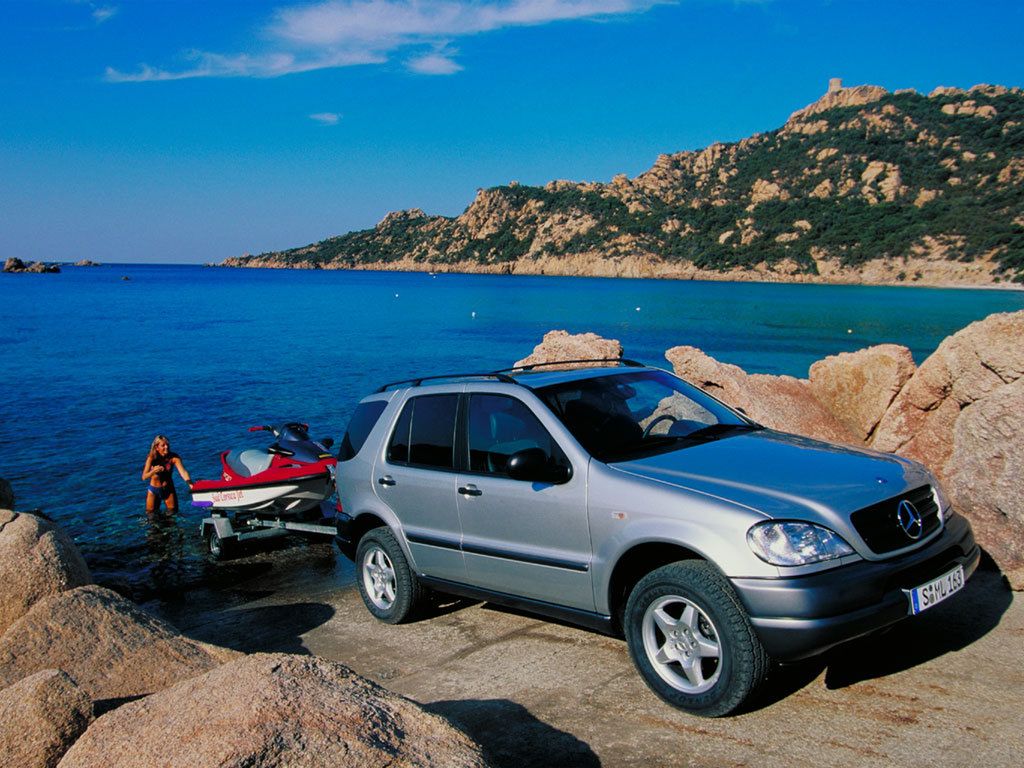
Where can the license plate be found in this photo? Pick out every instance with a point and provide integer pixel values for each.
(934, 592)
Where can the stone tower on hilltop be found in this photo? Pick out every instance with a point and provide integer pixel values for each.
(835, 84)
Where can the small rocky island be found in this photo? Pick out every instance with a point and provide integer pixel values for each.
(15, 265)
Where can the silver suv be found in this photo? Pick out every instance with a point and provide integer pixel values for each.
(624, 499)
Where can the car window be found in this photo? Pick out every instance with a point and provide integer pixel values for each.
(425, 433)
(359, 428)
(497, 427)
(626, 415)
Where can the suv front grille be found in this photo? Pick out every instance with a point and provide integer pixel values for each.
(879, 524)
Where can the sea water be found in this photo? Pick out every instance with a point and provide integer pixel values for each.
(96, 361)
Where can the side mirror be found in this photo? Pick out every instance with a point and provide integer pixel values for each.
(535, 465)
(327, 442)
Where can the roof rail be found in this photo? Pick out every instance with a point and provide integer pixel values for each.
(620, 360)
(500, 376)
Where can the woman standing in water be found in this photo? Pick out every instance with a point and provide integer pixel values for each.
(159, 465)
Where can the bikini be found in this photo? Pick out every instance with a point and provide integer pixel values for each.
(162, 492)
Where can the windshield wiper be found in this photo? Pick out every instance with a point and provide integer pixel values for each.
(712, 431)
(656, 442)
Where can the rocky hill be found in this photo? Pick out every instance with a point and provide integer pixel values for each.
(863, 185)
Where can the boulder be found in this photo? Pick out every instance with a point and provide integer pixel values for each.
(6, 495)
(966, 367)
(858, 387)
(780, 402)
(984, 475)
(562, 345)
(40, 718)
(14, 264)
(110, 647)
(36, 559)
(273, 710)
(959, 414)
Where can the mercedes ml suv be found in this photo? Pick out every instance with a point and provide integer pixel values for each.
(621, 498)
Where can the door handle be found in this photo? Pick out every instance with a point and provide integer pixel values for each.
(470, 490)
(386, 480)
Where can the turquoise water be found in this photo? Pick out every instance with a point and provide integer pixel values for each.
(93, 365)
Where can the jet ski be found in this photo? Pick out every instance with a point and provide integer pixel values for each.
(292, 475)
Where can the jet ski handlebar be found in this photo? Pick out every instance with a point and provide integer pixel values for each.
(276, 431)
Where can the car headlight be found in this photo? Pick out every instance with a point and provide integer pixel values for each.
(941, 501)
(793, 543)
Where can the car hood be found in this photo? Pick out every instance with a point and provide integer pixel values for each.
(782, 475)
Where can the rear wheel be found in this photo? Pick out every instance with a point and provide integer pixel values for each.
(691, 640)
(387, 584)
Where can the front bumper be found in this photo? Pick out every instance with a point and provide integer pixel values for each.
(803, 616)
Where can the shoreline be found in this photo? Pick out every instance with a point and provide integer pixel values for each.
(694, 275)
(511, 680)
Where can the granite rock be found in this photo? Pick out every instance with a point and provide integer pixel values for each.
(984, 475)
(858, 387)
(966, 367)
(780, 402)
(40, 718)
(273, 710)
(37, 559)
(111, 648)
(562, 345)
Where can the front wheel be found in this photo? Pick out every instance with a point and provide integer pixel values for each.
(387, 584)
(691, 640)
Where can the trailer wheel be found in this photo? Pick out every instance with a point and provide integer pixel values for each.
(219, 549)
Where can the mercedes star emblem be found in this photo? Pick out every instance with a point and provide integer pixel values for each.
(909, 519)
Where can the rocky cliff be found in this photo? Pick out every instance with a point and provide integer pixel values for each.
(863, 185)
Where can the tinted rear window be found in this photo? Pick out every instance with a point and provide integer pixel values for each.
(359, 428)
(425, 433)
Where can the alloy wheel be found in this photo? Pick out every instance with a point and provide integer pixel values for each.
(682, 644)
(379, 578)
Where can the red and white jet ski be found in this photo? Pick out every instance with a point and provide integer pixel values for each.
(292, 475)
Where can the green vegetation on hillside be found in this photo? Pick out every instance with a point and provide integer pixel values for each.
(886, 179)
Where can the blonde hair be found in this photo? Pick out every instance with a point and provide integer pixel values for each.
(156, 441)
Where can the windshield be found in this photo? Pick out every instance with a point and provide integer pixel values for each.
(624, 416)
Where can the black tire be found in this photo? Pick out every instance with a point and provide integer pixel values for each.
(219, 549)
(713, 686)
(389, 588)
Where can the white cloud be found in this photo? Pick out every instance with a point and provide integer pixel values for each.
(244, 65)
(325, 118)
(101, 13)
(382, 22)
(340, 33)
(434, 64)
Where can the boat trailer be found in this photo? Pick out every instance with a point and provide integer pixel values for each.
(225, 529)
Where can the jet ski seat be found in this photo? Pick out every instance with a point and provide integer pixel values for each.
(249, 462)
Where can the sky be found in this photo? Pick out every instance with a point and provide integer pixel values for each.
(181, 131)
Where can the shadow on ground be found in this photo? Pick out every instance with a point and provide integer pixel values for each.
(513, 738)
(265, 629)
(949, 626)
